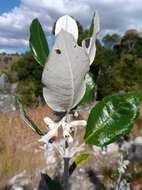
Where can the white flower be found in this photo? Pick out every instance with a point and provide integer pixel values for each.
(123, 165)
(49, 122)
(53, 130)
(69, 129)
(67, 136)
(52, 133)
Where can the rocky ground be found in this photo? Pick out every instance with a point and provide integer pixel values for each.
(22, 161)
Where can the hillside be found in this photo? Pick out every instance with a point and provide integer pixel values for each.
(6, 60)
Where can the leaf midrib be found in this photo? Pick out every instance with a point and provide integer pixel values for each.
(71, 74)
(97, 129)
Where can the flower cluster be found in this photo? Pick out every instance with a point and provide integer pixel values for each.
(69, 129)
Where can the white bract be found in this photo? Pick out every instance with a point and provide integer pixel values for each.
(64, 81)
(64, 73)
(91, 47)
(122, 165)
(67, 24)
(68, 129)
(67, 65)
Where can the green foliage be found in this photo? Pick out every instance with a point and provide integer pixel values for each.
(111, 40)
(29, 121)
(114, 70)
(49, 183)
(38, 43)
(82, 34)
(28, 91)
(111, 118)
(78, 160)
(28, 75)
(123, 75)
(90, 89)
(85, 34)
(120, 68)
(129, 40)
(82, 157)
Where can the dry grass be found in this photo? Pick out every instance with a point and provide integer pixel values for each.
(18, 143)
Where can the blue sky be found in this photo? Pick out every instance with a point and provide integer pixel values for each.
(7, 5)
(16, 16)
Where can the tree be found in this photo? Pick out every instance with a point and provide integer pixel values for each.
(123, 74)
(129, 40)
(109, 40)
(28, 74)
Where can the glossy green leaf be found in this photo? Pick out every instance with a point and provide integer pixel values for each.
(38, 42)
(111, 118)
(30, 123)
(78, 160)
(90, 89)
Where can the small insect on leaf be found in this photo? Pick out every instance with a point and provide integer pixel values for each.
(58, 51)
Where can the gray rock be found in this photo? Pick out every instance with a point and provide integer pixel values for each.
(3, 81)
(7, 94)
(7, 103)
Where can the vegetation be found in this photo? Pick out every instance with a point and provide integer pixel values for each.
(110, 119)
(16, 145)
(117, 67)
(120, 66)
(28, 75)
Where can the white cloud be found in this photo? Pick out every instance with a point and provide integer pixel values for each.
(116, 16)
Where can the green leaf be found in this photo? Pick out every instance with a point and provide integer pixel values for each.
(38, 42)
(90, 89)
(29, 121)
(91, 28)
(95, 25)
(78, 160)
(111, 118)
(82, 157)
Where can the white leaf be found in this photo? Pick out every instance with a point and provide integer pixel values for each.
(96, 23)
(49, 122)
(64, 73)
(68, 24)
(91, 50)
(91, 46)
(82, 123)
(52, 133)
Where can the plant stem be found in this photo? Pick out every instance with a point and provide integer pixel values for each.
(66, 161)
(66, 172)
(66, 167)
(118, 182)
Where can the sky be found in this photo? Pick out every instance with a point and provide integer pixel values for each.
(16, 16)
